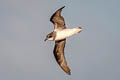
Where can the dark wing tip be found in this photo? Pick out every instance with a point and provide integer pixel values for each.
(57, 12)
(68, 71)
(62, 7)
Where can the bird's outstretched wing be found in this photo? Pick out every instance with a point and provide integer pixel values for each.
(59, 55)
(58, 20)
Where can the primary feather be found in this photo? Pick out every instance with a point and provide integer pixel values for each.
(58, 20)
(59, 55)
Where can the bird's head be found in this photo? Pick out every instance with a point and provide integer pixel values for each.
(50, 36)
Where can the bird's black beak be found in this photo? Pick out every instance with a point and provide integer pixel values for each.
(45, 39)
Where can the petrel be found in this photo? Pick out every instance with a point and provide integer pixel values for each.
(59, 35)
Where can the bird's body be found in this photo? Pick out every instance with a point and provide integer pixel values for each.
(65, 33)
(59, 35)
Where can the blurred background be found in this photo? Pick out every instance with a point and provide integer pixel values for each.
(94, 54)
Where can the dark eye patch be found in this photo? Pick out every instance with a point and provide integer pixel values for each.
(49, 36)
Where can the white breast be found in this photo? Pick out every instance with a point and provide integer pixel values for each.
(65, 33)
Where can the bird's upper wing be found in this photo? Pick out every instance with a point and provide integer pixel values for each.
(59, 55)
(58, 20)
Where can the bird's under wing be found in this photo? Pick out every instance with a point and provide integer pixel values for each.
(59, 55)
(58, 20)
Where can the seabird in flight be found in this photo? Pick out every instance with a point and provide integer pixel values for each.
(59, 35)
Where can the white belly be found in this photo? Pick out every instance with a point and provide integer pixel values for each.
(62, 34)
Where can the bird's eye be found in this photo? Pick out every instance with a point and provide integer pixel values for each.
(49, 36)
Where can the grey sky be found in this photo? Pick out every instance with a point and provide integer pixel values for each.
(92, 55)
